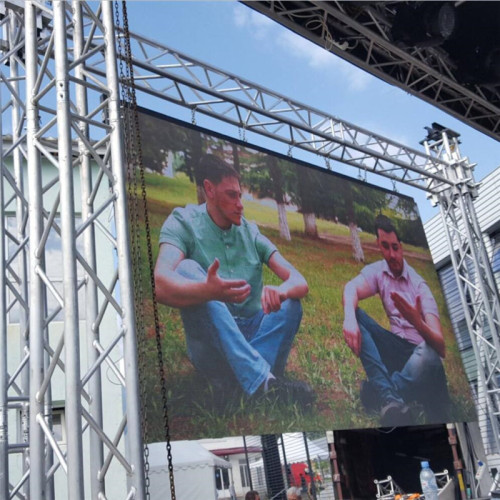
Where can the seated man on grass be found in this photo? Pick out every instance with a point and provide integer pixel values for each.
(403, 364)
(210, 265)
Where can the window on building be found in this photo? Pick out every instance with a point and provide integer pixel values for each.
(495, 258)
(59, 425)
(221, 479)
(244, 473)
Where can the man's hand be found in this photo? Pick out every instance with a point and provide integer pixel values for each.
(355, 290)
(271, 299)
(352, 335)
(413, 314)
(427, 325)
(235, 291)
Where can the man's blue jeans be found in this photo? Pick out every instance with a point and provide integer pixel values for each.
(220, 345)
(402, 371)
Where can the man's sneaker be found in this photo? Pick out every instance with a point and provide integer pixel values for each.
(369, 397)
(394, 413)
(291, 391)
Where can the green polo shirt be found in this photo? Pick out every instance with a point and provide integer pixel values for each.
(241, 249)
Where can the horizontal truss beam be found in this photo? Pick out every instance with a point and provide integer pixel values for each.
(361, 36)
(175, 77)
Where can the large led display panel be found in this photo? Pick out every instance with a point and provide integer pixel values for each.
(289, 297)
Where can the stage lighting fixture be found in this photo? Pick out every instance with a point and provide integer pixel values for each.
(424, 24)
(435, 133)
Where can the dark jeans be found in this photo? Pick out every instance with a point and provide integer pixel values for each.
(402, 371)
(222, 346)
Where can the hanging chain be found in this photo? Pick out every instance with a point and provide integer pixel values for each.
(242, 132)
(134, 160)
(131, 163)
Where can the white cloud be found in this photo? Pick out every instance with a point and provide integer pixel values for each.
(260, 25)
(263, 28)
(318, 58)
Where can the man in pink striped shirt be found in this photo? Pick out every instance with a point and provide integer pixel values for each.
(403, 364)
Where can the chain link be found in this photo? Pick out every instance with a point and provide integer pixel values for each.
(242, 131)
(133, 148)
(130, 162)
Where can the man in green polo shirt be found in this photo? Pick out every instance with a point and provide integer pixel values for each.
(210, 266)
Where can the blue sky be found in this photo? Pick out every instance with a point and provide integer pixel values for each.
(237, 39)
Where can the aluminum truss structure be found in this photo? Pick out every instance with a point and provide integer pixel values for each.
(360, 32)
(476, 283)
(61, 122)
(61, 130)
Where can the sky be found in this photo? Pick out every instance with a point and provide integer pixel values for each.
(237, 39)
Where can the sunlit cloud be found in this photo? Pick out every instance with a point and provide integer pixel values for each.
(318, 58)
(314, 56)
(258, 24)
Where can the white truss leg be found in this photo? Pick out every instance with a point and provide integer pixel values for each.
(477, 288)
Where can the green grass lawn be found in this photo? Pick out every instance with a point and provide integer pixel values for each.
(319, 354)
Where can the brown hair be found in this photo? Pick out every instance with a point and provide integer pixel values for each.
(214, 169)
(252, 495)
(385, 224)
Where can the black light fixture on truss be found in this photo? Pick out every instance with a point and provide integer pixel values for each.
(435, 133)
(419, 24)
(446, 53)
(467, 34)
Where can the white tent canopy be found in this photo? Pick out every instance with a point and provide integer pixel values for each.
(194, 471)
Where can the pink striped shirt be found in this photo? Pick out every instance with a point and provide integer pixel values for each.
(409, 285)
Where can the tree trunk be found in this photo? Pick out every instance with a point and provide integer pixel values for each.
(357, 250)
(284, 229)
(200, 194)
(310, 227)
(168, 169)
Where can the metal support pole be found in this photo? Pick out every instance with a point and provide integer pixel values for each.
(247, 462)
(71, 331)
(36, 296)
(4, 431)
(92, 309)
(135, 450)
(22, 260)
(334, 465)
(312, 485)
(457, 463)
(285, 463)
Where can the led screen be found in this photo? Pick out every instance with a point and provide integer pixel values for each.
(289, 297)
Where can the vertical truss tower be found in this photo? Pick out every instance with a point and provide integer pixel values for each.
(471, 265)
(62, 176)
(67, 336)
